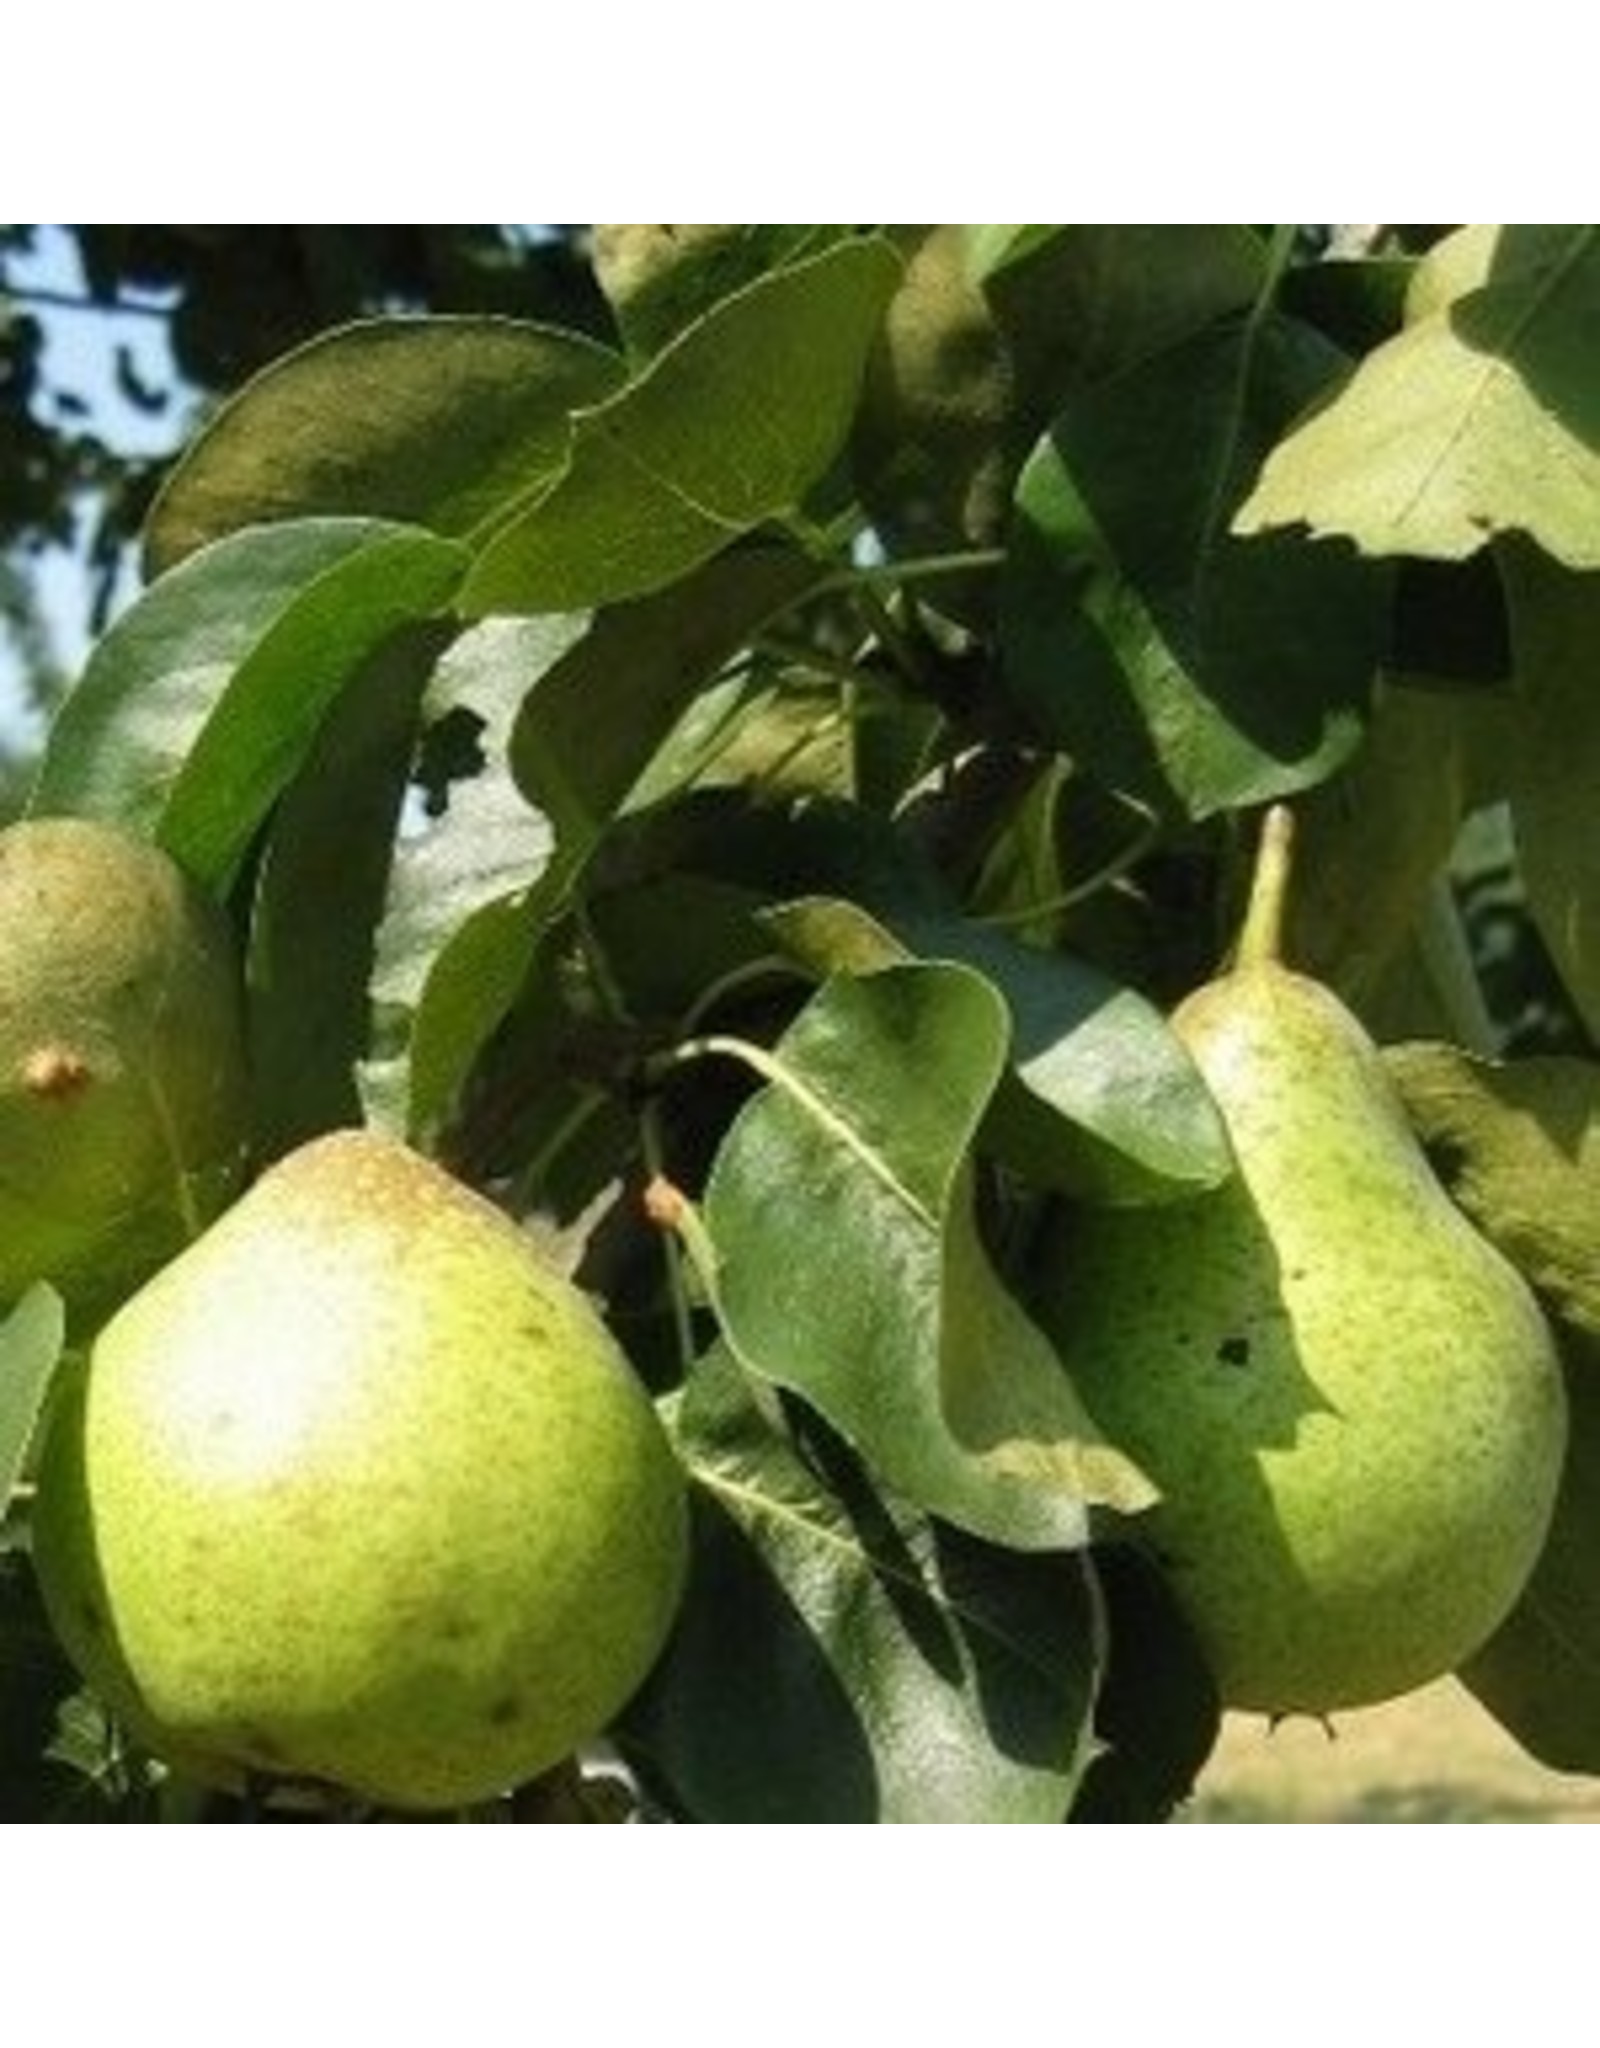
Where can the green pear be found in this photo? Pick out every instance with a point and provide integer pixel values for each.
(359, 1490)
(122, 1079)
(1349, 1400)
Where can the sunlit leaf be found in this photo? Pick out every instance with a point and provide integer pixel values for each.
(438, 422)
(1481, 417)
(849, 1266)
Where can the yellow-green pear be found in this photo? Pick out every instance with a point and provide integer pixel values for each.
(359, 1490)
(122, 1080)
(1349, 1400)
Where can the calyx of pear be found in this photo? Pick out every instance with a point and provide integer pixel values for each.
(1349, 1400)
(359, 1490)
(122, 1072)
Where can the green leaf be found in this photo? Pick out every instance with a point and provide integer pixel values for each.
(31, 1339)
(319, 897)
(593, 721)
(1178, 664)
(1100, 1097)
(462, 919)
(1554, 768)
(660, 279)
(728, 427)
(849, 1266)
(1518, 1143)
(439, 423)
(839, 1658)
(1482, 417)
(198, 706)
(1157, 1716)
(1539, 1674)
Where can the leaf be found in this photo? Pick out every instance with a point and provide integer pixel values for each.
(1554, 766)
(839, 1658)
(439, 423)
(1518, 1144)
(849, 1267)
(728, 427)
(198, 706)
(319, 897)
(1157, 1715)
(31, 1339)
(1178, 664)
(660, 279)
(461, 922)
(37, 1685)
(1539, 1674)
(593, 721)
(1100, 1097)
(1482, 417)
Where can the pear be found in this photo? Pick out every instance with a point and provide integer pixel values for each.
(359, 1490)
(1348, 1399)
(122, 1076)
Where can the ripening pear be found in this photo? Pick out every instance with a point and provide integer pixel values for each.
(360, 1491)
(122, 1079)
(1349, 1400)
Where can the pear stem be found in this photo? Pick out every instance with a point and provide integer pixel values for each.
(1261, 936)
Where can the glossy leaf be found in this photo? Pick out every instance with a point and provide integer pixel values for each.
(839, 1658)
(848, 1264)
(1100, 1098)
(439, 423)
(31, 1338)
(1482, 417)
(1177, 663)
(198, 707)
(728, 427)
(1539, 1674)
(1518, 1142)
(1554, 766)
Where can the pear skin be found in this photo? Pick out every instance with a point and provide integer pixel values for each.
(1349, 1400)
(359, 1490)
(122, 1067)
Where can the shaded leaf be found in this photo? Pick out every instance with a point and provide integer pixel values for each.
(849, 1266)
(319, 897)
(198, 706)
(1539, 1674)
(728, 427)
(37, 1689)
(31, 1339)
(593, 721)
(1553, 769)
(1100, 1097)
(438, 422)
(1157, 1716)
(1518, 1143)
(1177, 663)
(839, 1658)
(1481, 417)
